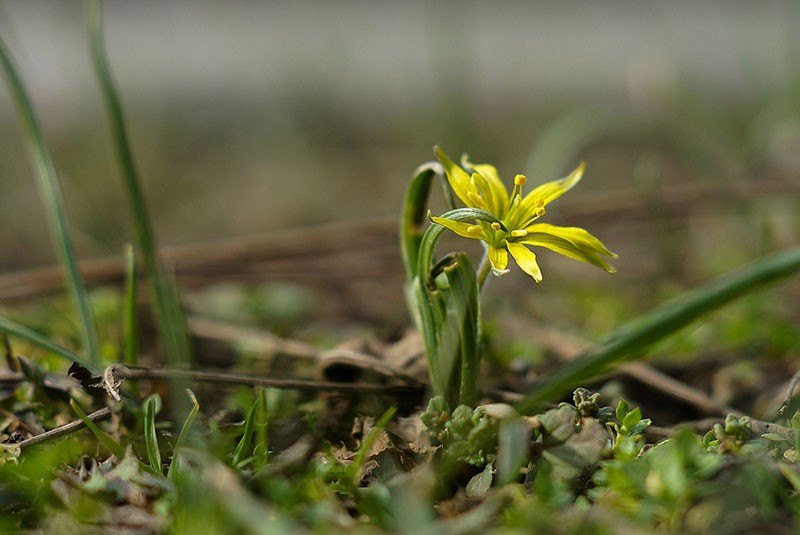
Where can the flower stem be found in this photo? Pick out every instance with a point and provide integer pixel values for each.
(483, 270)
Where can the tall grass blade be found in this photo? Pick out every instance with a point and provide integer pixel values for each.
(169, 315)
(633, 339)
(151, 407)
(131, 339)
(247, 437)
(109, 443)
(50, 190)
(24, 333)
(369, 440)
(261, 449)
(184, 434)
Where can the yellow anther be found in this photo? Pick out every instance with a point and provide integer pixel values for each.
(539, 212)
(519, 233)
(496, 226)
(538, 203)
(520, 180)
(474, 229)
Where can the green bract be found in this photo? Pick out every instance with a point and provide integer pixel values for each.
(517, 215)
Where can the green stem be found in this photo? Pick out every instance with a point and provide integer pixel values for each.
(483, 270)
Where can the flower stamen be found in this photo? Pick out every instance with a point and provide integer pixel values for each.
(516, 191)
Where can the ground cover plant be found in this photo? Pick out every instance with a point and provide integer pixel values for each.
(112, 421)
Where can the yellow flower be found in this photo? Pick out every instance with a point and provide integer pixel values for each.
(484, 190)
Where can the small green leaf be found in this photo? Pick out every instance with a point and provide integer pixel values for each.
(622, 410)
(631, 419)
(478, 486)
(513, 448)
(639, 427)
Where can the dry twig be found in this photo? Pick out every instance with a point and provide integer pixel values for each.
(66, 429)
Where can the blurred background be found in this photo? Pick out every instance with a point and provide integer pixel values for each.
(276, 119)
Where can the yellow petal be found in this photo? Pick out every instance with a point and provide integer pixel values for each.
(499, 193)
(457, 177)
(572, 242)
(526, 260)
(498, 257)
(466, 230)
(483, 193)
(553, 190)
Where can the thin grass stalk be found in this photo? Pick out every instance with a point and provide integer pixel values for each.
(131, 294)
(105, 439)
(24, 333)
(262, 438)
(151, 408)
(169, 316)
(50, 190)
(633, 339)
(184, 435)
(369, 441)
(247, 436)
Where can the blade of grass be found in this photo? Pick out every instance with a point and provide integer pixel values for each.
(50, 190)
(370, 439)
(169, 315)
(633, 339)
(109, 443)
(261, 449)
(151, 407)
(131, 292)
(247, 437)
(29, 335)
(184, 434)
(130, 323)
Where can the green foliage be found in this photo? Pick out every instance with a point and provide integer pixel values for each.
(633, 339)
(466, 434)
(442, 296)
(730, 437)
(152, 406)
(627, 442)
(245, 442)
(183, 437)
